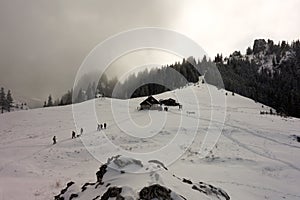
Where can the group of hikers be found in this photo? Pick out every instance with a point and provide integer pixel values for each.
(74, 133)
(99, 128)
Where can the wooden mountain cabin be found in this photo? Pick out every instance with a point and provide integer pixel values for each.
(169, 102)
(150, 104)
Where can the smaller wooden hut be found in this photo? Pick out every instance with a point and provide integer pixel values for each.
(169, 102)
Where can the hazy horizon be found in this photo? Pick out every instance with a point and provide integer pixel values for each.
(43, 43)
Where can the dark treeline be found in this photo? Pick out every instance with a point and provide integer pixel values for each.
(158, 80)
(6, 100)
(169, 77)
(7, 103)
(269, 73)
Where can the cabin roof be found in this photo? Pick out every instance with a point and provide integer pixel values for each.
(149, 101)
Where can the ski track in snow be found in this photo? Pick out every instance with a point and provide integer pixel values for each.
(228, 136)
(47, 146)
(259, 135)
(255, 187)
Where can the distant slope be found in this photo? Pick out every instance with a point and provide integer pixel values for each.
(256, 157)
(31, 102)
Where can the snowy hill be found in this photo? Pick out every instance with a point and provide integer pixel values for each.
(256, 156)
(31, 102)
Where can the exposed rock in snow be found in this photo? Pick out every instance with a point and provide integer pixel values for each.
(119, 162)
(155, 192)
(67, 192)
(264, 56)
(260, 45)
(112, 184)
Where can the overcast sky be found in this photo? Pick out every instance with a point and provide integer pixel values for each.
(43, 42)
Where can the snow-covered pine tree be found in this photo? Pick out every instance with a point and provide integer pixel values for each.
(80, 96)
(2, 99)
(9, 101)
(50, 102)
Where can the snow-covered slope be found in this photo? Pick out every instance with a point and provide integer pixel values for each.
(256, 157)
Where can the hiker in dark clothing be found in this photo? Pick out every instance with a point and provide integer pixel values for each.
(73, 134)
(54, 139)
(104, 125)
(101, 126)
(81, 131)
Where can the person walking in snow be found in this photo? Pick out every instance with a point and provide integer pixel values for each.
(98, 128)
(54, 139)
(73, 134)
(101, 126)
(81, 131)
(104, 125)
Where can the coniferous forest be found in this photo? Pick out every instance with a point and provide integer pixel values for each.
(268, 73)
(8, 104)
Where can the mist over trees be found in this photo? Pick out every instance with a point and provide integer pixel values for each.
(80, 93)
(144, 83)
(158, 80)
(170, 77)
(269, 73)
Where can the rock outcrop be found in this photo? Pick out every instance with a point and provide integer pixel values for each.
(128, 179)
